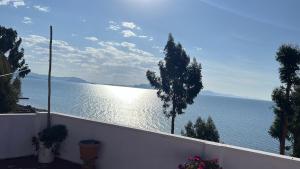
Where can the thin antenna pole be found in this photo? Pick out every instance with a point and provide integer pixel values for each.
(49, 80)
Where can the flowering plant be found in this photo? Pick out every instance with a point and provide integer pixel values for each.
(197, 162)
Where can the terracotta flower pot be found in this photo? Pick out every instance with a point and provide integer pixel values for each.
(89, 153)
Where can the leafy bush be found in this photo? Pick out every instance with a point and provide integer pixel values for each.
(197, 162)
(51, 137)
(202, 130)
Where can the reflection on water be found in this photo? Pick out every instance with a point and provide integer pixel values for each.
(240, 122)
(126, 105)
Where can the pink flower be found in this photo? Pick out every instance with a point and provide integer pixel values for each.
(197, 158)
(200, 167)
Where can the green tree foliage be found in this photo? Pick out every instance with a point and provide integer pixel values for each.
(179, 82)
(10, 46)
(295, 125)
(11, 61)
(8, 92)
(278, 97)
(202, 130)
(288, 57)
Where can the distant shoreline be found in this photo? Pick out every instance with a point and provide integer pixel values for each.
(140, 86)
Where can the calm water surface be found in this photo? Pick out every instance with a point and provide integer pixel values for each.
(240, 122)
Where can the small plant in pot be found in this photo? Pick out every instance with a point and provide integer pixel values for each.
(48, 142)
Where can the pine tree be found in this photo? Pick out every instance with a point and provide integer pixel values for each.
(10, 44)
(212, 133)
(8, 92)
(288, 57)
(202, 130)
(11, 61)
(179, 82)
(295, 126)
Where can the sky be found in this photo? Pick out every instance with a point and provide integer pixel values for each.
(117, 41)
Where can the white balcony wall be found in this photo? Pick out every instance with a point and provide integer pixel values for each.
(128, 148)
(16, 132)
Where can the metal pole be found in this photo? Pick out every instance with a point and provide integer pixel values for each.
(49, 80)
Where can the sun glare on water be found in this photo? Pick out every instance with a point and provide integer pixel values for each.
(128, 103)
(126, 94)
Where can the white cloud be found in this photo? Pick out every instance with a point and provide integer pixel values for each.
(15, 3)
(113, 26)
(83, 20)
(198, 49)
(127, 28)
(108, 43)
(143, 36)
(114, 62)
(27, 20)
(128, 33)
(130, 25)
(112, 22)
(128, 45)
(91, 38)
(160, 49)
(33, 40)
(42, 8)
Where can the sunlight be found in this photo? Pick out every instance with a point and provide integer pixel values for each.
(146, 3)
(127, 101)
(126, 94)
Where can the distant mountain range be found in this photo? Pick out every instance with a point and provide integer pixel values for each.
(45, 77)
(203, 92)
(142, 86)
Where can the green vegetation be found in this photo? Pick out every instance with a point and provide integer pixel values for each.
(9, 92)
(285, 123)
(202, 130)
(179, 82)
(51, 137)
(11, 61)
(295, 125)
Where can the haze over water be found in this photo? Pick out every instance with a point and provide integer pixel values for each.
(240, 122)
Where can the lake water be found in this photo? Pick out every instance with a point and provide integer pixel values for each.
(241, 122)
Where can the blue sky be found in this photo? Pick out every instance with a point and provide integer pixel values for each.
(116, 41)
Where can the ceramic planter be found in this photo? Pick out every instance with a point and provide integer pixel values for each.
(45, 155)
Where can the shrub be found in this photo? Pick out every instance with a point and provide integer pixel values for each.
(51, 137)
(202, 130)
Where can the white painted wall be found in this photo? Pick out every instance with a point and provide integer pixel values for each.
(128, 148)
(16, 132)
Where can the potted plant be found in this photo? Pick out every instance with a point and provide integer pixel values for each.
(89, 153)
(48, 142)
(197, 162)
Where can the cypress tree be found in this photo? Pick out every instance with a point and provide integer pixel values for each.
(288, 57)
(179, 82)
